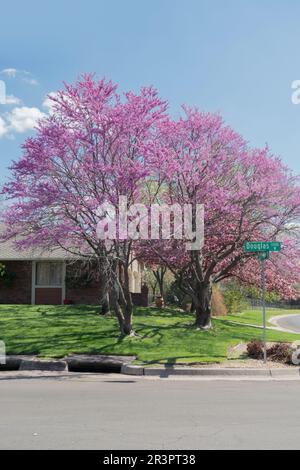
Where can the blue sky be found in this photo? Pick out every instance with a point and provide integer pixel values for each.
(235, 57)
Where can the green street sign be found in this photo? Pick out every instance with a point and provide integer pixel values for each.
(262, 255)
(252, 247)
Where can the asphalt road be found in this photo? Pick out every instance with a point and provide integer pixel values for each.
(112, 412)
(289, 322)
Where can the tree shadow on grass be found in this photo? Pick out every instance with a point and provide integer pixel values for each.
(170, 362)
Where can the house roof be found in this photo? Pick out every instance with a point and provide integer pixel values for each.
(9, 252)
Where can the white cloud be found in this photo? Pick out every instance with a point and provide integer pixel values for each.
(3, 127)
(22, 75)
(23, 119)
(30, 81)
(11, 99)
(10, 72)
(48, 103)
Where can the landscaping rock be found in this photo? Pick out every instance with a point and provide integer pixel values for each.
(88, 363)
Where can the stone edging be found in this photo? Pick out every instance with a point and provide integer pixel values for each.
(72, 363)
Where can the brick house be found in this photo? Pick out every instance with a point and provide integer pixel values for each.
(42, 278)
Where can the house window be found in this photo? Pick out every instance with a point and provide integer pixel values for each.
(48, 273)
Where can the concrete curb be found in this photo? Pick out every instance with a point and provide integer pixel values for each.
(74, 363)
(97, 363)
(129, 369)
(43, 365)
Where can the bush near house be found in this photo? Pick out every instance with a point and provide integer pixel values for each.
(234, 298)
(219, 307)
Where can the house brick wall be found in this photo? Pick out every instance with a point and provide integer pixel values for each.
(20, 291)
(90, 294)
(48, 296)
(141, 299)
(82, 294)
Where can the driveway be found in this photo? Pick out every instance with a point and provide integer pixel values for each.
(289, 323)
(118, 412)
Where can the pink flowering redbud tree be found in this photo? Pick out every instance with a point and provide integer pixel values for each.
(86, 153)
(247, 194)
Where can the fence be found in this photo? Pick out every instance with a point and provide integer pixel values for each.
(256, 303)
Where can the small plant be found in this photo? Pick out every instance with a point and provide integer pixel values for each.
(255, 349)
(280, 352)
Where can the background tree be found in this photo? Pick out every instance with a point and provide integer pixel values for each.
(248, 194)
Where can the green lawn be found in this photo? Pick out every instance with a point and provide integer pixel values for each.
(164, 336)
(254, 317)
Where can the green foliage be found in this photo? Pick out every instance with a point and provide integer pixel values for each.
(176, 296)
(256, 293)
(234, 298)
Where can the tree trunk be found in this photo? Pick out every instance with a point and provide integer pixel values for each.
(160, 276)
(104, 290)
(121, 303)
(127, 325)
(161, 287)
(125, 320)
(105, 307)
(127, 304)
(202, 302)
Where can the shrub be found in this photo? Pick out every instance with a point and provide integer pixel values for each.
(174, 295)
(255, 349)
(280, 352)
(234, 299)
(218, 304)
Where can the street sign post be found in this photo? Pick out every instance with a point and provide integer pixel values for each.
(263, 255)
(263, 282)
(262, 249)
